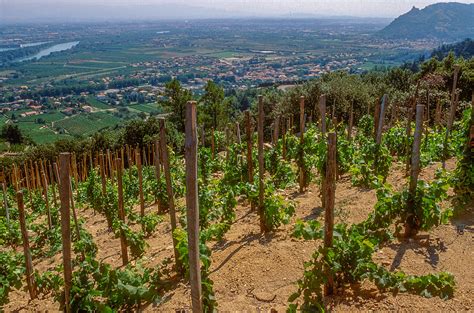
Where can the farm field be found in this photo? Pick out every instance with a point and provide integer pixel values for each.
(147, 107)
(87, 124)
(92, 101)
(41, 133)
(52, 116)
(83, 124)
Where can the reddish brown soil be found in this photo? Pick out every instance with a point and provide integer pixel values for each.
(254, 272)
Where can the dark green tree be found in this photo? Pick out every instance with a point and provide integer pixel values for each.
(13, 134)
(174, 102)
(212, 101)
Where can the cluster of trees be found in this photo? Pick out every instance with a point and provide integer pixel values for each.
(12, 134)
(463, 49)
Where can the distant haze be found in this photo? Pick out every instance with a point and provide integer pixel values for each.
(21, 11)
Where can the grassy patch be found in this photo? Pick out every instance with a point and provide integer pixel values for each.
(147, 107)
(93, 102)
(87, 124)
(52, 116)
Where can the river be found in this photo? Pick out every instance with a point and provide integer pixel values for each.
(47, 51)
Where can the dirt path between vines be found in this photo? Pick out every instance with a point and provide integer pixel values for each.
(254, 272)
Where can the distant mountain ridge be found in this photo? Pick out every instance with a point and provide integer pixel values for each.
(444, 21)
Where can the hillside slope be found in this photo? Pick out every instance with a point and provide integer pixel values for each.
(444, 21)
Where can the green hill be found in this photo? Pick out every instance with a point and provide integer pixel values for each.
(463, 49)
(444, 21)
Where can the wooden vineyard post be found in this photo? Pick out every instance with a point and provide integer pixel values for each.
(64, 194)
(74, 172)
(23, 183)
(144, 158)
(381, 117)
(427, 112)
(28, 176)
(46, 200)
(261, 166)
(411, 110)
(121, 212)
(169, 190)
(470, 142)
(122, 156)
(103, 161)
(5, 200)
(330, 194)
(301, 154)
(129, 161)
(28, 186)
(239, 138)
(452, 113)
(53, 183)
(96, 158)
(411, 224)
(150, 154)
(84, 167)
(91, 162)
(15, 178)
(377, 112)
(213, 144)
(38, 180)
(283, 139)
(192, 207)
(56, 173)
(140, 182)
(32, 172)
(437, 121)
(74, 215)
(228, 142)
(351, 122)
(276, 130)
(102, 174)
(249, 146)
(156, 161)
(30, 281)
(240, 156)
(322, 111)
(109, 162)
(426, 118)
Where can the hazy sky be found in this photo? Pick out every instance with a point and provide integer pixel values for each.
(362, 8)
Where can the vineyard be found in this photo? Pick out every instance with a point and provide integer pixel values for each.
(325, 213)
